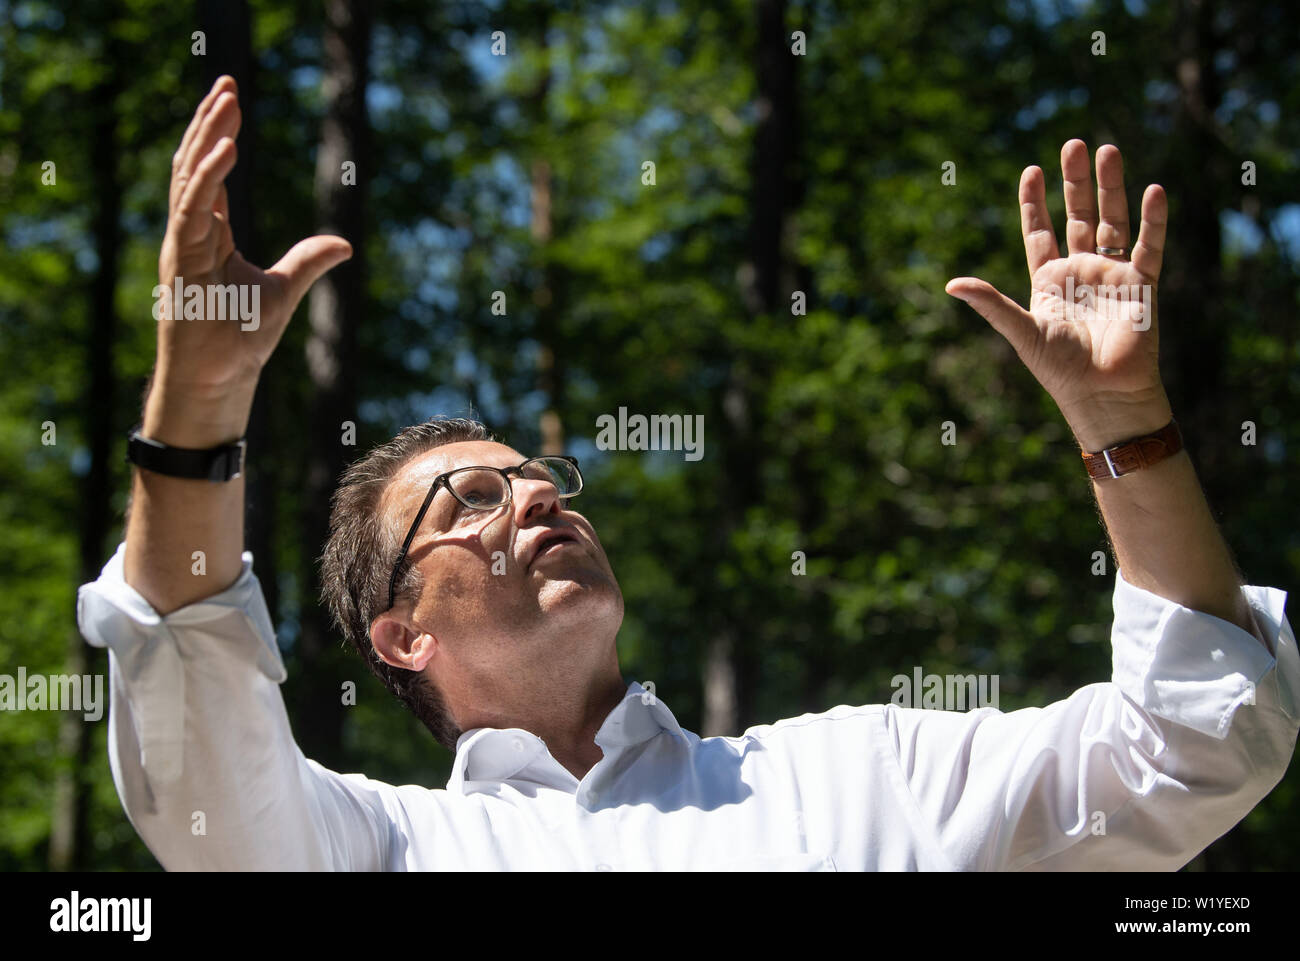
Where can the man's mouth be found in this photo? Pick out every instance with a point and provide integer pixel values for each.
(553, 543)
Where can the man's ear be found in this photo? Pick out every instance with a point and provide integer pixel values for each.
(400, 645)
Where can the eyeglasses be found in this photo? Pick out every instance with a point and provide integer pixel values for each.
(487, 488)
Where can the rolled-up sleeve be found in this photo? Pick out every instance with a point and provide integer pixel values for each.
(1196, 726)
(199, 741)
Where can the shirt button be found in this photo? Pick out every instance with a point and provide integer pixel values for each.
(603, 867)
(519, 744)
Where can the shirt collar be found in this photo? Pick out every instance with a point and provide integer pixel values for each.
(498, 754)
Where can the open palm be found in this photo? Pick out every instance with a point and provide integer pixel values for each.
(199, 248)
(1090, 330)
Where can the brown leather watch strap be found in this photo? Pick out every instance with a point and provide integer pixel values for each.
(1135, 454)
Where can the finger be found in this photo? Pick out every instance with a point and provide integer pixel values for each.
(1035, 223)
(194, 212)
(223, 120)
(1149, 251)
(1080, 201)
(223, 84)
(1005, 316)
(306, 261)
(1113, 230)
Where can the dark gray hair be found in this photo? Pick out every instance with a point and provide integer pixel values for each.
(359, 555)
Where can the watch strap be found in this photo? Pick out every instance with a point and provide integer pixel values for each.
(1135, 454)
(215, 463)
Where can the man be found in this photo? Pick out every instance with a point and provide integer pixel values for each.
(487, 604)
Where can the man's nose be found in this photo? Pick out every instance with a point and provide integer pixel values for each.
(533, 498)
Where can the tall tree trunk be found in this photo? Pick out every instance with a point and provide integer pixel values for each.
(68, 835)
(1196, 289)
(336, 307)
(1196, 284)
(550, 369)
(227, 26)
(730, 661)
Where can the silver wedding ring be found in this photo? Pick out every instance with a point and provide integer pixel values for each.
(1111, 251)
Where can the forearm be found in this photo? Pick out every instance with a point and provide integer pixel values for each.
(1163, 534)
(172, 518)
(1166, 541)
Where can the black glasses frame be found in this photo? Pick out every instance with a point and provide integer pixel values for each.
(441, 480)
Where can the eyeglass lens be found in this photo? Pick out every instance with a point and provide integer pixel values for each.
(484, 489)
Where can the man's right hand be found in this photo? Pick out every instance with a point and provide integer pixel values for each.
(184, 538)
(207, 370)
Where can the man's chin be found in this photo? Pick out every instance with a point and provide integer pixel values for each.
(589, 594)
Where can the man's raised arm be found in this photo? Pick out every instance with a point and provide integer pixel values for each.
(1199, 721)
(200, 745)
(1091, 339)
(207, 369)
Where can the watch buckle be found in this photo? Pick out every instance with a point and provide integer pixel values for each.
(223, 469)
(1110, 463)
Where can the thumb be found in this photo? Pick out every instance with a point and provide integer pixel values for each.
(1004, 315)
(306, 261)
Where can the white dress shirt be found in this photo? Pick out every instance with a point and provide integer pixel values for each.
(1197, 725)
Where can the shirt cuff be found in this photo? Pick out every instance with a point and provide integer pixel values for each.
(150, 651)
(1196, 669)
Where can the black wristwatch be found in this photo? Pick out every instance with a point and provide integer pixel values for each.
(215, 464)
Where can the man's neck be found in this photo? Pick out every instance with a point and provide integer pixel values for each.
(566, 723)
(575, 747)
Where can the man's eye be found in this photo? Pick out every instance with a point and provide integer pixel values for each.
(449, 513)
